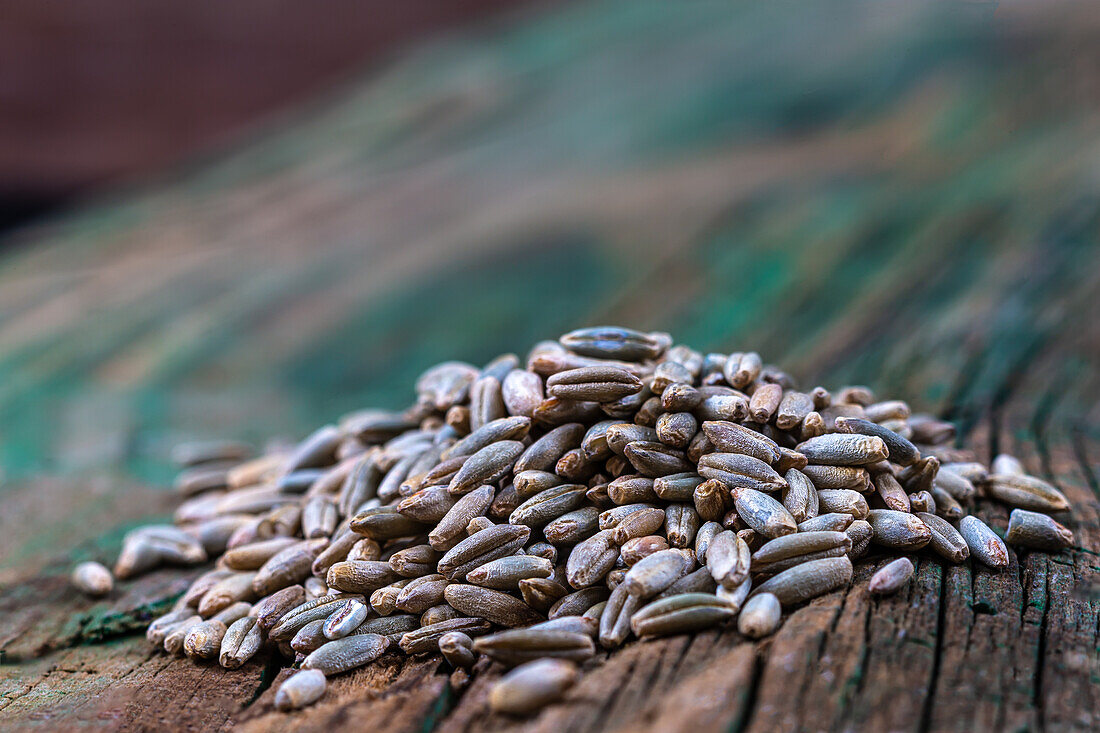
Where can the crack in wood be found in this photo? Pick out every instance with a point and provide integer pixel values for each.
(271, 668)
(747, 712)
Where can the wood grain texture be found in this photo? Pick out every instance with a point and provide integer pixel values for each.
(905, 199)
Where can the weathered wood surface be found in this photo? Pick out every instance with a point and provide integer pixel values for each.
(905, 199)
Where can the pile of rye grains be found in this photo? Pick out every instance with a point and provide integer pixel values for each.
(615, 486)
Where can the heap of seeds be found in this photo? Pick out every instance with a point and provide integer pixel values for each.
(616, 486)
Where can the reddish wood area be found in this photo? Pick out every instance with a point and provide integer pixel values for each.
(103, 90)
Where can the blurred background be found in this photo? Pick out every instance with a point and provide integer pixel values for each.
(99, 93)
(245, 219)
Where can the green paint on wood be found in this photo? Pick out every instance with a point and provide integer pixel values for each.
(498, 303)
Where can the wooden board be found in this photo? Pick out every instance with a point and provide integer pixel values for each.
(905, 199)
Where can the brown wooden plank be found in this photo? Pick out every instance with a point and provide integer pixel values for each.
(124, 685)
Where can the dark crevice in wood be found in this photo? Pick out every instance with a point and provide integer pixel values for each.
(1040, 662)
(272, 666)
(1022, 579)
(823, 641)
(846, 693)
(748, 709)
(151, 652)
(868, 640)
(6, 699)
(684, 655)
(833, 624)
(604, 713)
(937, 655)
(651, 680)
(448, 700)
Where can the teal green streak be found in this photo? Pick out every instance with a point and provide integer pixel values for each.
(499, 303)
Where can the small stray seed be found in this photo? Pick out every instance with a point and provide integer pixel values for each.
(1037, 531)
(303, 688)
(92, 579)
(532, 686)
(1005, 464)
(891, 577)
(760, 616)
